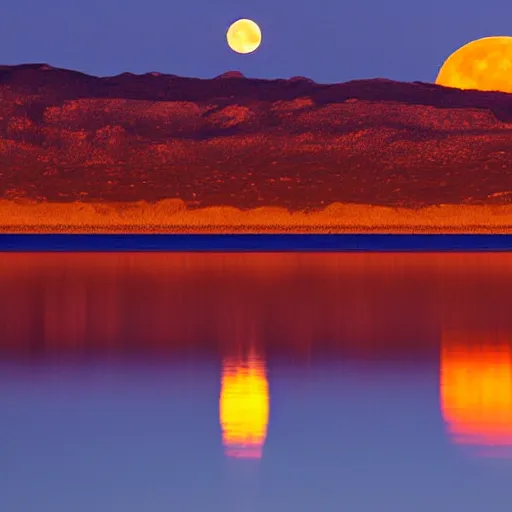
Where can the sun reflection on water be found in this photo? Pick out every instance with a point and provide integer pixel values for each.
(476, 392)
(244, 406)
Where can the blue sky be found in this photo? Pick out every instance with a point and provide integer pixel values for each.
(327, 40)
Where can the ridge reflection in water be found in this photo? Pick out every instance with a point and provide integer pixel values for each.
(152, 381)
(363, 305)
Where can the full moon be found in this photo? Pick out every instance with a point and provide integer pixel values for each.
(244, 36)
(484, 64)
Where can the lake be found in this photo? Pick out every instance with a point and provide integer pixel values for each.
(255, 382)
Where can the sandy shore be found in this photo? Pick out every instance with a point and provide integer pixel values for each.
(34, 229)
(172, 216)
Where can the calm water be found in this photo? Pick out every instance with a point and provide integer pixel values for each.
(256, 242)
(255, 382)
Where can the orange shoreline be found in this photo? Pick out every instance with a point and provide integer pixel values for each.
(172, 216)
(34, 229)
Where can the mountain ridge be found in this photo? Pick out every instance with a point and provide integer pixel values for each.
(246, 143)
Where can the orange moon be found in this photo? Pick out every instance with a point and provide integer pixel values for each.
(484, 64)
(244, 36)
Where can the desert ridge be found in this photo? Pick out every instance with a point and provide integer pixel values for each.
(233, 151)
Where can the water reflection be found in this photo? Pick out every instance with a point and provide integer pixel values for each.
(244, 406)
(174, 356)
(357, 305)
(476, 390)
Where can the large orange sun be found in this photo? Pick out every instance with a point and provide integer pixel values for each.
(484, 64)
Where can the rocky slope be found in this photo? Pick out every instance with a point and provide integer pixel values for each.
(66, 136)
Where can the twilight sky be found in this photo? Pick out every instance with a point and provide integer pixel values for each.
(327, 40)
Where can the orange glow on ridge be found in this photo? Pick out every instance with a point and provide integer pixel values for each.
(244, 407)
